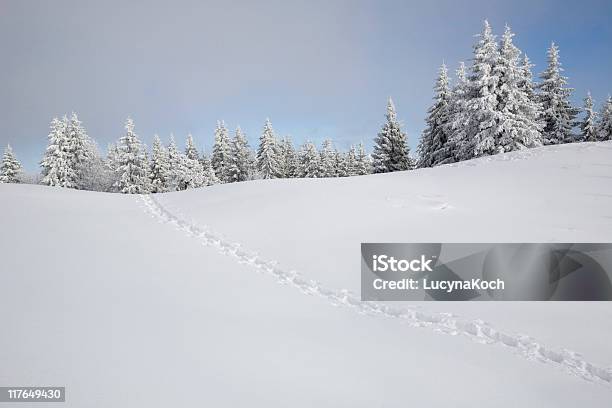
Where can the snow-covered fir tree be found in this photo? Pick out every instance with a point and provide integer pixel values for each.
(287, 157)
(57, 163)
(210, 177)
(351, 162)
(267, 160)
(478, 122)
(604, 127)
(457, 138)
(193, 175)
(558, 114)
(327, 159)
(70, 155)
(364, 164)
(221, 154)
(391, 152)
(112, 157)
(241, 167)
(190, 150)
(308, 161)
(526, 81)
(518, 127)
(176, 165)
(10, 168)
(96, 175)
(588, 125)
(81, 149)
(434, 147)
(132, 166)
(160, 167)
(341, 167)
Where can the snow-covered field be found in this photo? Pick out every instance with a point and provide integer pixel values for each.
(135, 301)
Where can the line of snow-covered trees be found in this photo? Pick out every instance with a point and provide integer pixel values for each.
(72, 160)
(492, 107)
(496, 107)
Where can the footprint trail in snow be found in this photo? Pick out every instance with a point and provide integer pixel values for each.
(448, 323)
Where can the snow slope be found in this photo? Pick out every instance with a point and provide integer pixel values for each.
(117, 298)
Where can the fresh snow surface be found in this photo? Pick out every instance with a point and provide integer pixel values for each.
(174, 299)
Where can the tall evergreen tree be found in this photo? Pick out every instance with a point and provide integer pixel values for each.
(160, 168)
(526, 81)
(588, 125)
(288, 160)
(518, 126)
(241, 158)
(341, 167)
(10, 168)
(327, 159)
(434, 147)
(221, 154)
(391, 152)
(80, 147)
(364, 165)
(604, 127)
(112, 157)
(133, 168)
(57, 163)
(351, 162)
(557, 112)
(267, 160)
(193, 175)
(190, 150)
(308, 161)
(176, 165)
(480, 118)
(210, 177)
(458, 139)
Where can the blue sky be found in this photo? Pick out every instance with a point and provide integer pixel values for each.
(318, 69)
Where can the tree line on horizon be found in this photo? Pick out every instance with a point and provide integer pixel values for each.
(494, 107)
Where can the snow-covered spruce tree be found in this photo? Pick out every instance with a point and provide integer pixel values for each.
(526, 82)
(241, 158)
(96, 174)
(81, 149)
(351, 162)
(391, 152)
(208, 172)
(10, 168)
(287, 157)
(267, 160)
(183, 172)
(558, 114)
(190, 150)
(221, 154)
(57, 163)
(176, 166)
(364, 164)
(193, 176)
(518, 125)
(159, 172)
(588, 125)
(132, 166)
(308, 161)
(458, 139)
(341, 168)
(604, 127)
(327, 159)
(434, 147)
(112, 156)
(478, 123)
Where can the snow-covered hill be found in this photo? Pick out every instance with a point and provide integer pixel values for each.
(174, 299)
